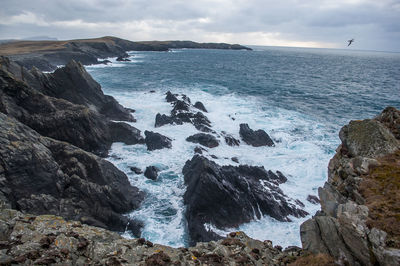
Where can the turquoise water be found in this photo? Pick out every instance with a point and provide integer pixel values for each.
(301, 97)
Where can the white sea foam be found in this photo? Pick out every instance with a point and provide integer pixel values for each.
(300, 154)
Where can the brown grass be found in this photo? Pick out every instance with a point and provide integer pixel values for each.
(25, 47)
(381, 189)
(314, 260)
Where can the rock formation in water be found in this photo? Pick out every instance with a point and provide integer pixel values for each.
(206, 140)
(227, 196)
(359, 221)
(156, 141)
(255, 138)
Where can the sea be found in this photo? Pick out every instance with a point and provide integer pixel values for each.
(300, 96)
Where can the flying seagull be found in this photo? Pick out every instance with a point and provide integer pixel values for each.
(350, 42)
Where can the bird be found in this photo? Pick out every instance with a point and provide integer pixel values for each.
(350, 42)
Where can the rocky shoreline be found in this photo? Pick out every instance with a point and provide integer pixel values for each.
(56, 127)
(47, 55)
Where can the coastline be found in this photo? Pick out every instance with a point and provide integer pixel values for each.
(311, 243)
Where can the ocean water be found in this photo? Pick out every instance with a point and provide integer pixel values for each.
(300, 97)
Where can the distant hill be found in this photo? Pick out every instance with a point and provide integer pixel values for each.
(40, 38)
(47, 54)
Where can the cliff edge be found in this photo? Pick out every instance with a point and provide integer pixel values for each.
(359, 222)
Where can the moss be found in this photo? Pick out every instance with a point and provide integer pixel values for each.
(381, 190)
(314, 260)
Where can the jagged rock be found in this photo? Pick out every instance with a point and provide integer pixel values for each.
(171, 98)
(44, 176)
(230, 140)
(313, 199)
(204, 139)
(255, 138)
(136, 170)
(156, 141)
(151, 172)
(226, 196)
(200, 106)
(58, 118)
(74, 84)
(180, 106)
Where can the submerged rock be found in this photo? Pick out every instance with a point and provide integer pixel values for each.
(122, 59)
(204, 139)
(156, 141)
(227, 196)
(136, 170)
(255, 138)
(151, 172)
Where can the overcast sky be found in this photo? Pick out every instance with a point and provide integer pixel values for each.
(374, 24)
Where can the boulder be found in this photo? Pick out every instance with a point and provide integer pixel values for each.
(204, 139)
(255, 138)
(156, 141)
(44, 176)
(200, 106)
(151, 172)
(227, 196)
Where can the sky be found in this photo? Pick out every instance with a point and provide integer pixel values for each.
(374, 24)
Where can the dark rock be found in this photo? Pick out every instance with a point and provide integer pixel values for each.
(186, 99)
(74, 84)
(151, 172)
(58, 118)
(163, 120)
(200, 106)
(230, 140)
(122, 59)
(130, 110)
(156, 141)
(122, 132)
(313, 199)
(180, 106)
(255, 138)
(214, 156)
(152, 91)
(171, 98)
(235, 159)
(199, 150)
(44, 176)
(136, 170)
(228, 196)
(204, 139)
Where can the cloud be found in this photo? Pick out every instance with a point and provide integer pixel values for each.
(311, 23)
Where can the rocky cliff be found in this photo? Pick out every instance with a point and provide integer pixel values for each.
(359, 222)
(47, 55)
(50, 126)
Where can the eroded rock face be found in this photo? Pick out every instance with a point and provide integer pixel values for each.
(342, 228)
(44, 176)
(255, 138)
(227, 196)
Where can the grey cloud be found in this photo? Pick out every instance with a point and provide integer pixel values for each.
(318, 21)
